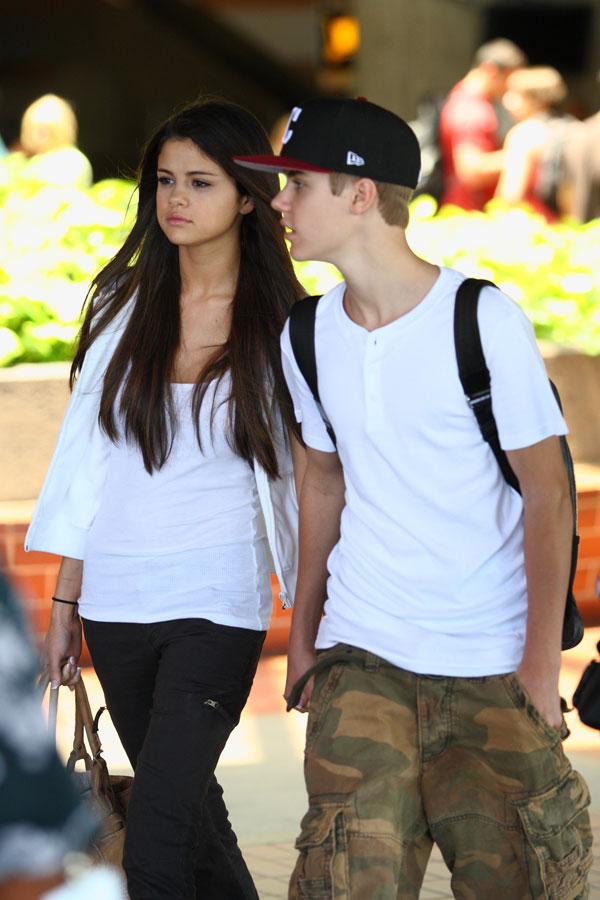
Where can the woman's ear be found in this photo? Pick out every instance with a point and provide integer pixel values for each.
(364, 195)
(246, 206)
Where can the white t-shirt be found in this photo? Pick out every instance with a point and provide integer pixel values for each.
(429, 570)
(189, 540)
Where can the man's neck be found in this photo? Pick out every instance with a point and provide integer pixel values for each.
(383, 282)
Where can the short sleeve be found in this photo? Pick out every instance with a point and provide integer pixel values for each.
(525, 408)
(306, 411)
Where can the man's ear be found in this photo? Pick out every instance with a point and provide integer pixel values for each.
(246, 206)
(364, 195)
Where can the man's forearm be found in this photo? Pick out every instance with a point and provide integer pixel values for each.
(548, 534)
(320, 511)
(477, 168)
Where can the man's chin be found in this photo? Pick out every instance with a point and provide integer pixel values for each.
(298, 254)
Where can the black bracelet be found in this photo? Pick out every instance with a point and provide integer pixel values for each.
(68, 602)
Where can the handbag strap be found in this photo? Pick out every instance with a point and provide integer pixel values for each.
(84, 722)
(86, 727)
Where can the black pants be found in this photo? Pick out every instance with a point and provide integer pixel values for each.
(175, 690)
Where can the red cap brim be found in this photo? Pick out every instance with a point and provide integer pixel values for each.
(277, 164)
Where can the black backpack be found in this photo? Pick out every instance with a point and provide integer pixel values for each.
(475, 379)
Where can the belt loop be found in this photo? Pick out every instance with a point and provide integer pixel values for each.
(372, 662)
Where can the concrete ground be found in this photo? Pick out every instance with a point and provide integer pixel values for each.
(261, 772)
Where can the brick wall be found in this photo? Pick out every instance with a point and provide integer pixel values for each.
(588, 569)
(34, 574)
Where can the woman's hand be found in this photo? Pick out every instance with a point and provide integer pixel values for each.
(62, 647)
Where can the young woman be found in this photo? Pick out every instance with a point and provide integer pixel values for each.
(171, 489)
(531, 166)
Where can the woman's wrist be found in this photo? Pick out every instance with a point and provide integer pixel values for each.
(64, 611)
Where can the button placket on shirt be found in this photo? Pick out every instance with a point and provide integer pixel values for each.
(372, 382)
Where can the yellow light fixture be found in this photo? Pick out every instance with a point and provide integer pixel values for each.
(341, 38)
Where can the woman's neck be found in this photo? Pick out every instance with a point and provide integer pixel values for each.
(208, 272)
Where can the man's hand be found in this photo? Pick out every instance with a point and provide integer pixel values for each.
(543, 692)
(299, 662)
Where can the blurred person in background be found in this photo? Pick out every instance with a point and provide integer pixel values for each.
(171, 491)
(580, 192)
(41, 817)
(470, 129)
(48, 145)
(532, 162)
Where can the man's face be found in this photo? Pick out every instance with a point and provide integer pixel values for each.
(497, 78)
(313, 216)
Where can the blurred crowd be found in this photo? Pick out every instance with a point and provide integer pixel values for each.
(503, 132)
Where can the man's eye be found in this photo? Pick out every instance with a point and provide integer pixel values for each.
(298, 184)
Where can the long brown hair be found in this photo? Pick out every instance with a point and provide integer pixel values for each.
(145, 273)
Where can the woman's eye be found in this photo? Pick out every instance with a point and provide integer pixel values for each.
(164, 179)
(199, 184)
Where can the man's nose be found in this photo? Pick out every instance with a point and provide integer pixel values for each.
(279, 201)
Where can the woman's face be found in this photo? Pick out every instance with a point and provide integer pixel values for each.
(197, 203)
(520, 105)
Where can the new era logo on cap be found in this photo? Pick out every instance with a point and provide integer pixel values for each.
(319, 133)
(353, 159)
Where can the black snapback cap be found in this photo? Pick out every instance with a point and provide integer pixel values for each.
(351, 136)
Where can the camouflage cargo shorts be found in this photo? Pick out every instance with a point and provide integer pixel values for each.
(396, 761)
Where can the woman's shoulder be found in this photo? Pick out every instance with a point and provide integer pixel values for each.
(101, 303)
(527, 135)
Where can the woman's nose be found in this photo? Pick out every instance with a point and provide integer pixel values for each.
(177, 198)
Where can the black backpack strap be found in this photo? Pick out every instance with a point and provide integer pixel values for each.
(475, 379)
(473, 371)
(302, 339)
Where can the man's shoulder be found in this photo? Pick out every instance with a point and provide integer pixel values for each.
(465, 111)
(332, 296)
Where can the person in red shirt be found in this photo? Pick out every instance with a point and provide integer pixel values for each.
(470, 133)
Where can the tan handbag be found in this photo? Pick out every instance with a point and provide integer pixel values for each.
(107, 795)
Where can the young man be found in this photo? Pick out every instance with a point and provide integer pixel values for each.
(435, 713)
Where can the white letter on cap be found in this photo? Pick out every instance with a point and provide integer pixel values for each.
(294, 116)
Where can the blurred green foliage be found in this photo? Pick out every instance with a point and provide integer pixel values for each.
(53, 241)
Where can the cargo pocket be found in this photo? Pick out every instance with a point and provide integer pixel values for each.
(323, 694)
(559, 839)
(320, 871)
(521, 700)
